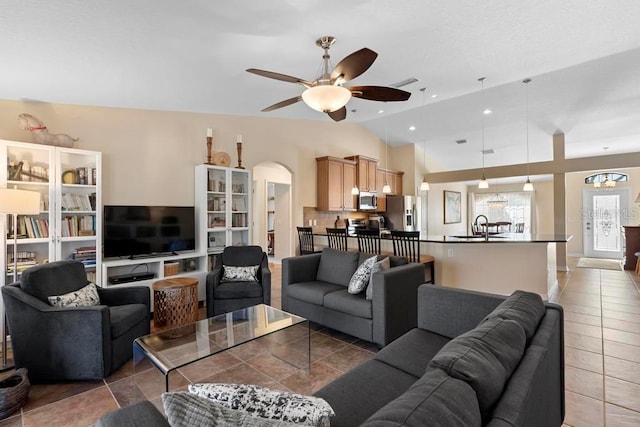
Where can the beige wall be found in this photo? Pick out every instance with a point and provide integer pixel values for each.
(149, 156)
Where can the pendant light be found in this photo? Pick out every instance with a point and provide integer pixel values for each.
(424, 185)
(528, 186)
(483, 182)
(386, 189)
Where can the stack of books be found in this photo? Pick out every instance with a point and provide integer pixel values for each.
(86, 255)
(25, 260)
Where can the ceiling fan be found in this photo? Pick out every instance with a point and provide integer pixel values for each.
(327, 93)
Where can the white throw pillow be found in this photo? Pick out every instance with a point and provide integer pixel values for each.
(360, 278)
(83, 297)
(239, 274)
(265, 403)
(383, 264)
(188, 410)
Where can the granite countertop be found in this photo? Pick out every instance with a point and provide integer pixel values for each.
(493, 238)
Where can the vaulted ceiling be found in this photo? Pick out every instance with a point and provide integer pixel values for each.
(583, 57)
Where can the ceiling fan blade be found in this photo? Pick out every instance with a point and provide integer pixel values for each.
(278, 76)
(338, 115)
(379, 93)
(354, 65)
(282, 103)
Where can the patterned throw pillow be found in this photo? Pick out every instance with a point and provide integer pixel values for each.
(188, 410)
(265, 403)
(360, 278)
(83, 297)
(239, 274)
(383, 264)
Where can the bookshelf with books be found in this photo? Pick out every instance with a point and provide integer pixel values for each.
(70, 217)
(223, 207)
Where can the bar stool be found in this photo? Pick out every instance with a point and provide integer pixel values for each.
(305, 237)
(407, 244)
(337, 238)
(368, 241)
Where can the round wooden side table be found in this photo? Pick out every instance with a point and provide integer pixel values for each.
(175, 302)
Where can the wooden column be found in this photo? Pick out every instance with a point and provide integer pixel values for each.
(559, 203)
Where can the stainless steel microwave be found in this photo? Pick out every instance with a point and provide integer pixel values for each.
(367, 201)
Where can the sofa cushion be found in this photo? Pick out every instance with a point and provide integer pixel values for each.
(345, 302)
(125, 317)
(54, 278)
(412, 352)
(526, 308)
(337, 267)
(139, 414)
(266, 403)
(436, 399)
(312, 292)
(230, 290)
(187, 410)
(360, 278)
(359, 393)
(383, 264)
(485, 358)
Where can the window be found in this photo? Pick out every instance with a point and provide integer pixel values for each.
(514, 207)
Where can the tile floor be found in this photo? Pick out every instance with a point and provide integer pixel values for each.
(602, 358)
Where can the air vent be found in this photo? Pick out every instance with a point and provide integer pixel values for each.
(461, 141)
(489, 151)
(405, 82)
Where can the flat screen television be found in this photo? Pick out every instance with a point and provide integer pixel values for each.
(137, 231)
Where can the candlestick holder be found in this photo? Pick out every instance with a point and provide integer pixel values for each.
(209, 151)
(239, 147)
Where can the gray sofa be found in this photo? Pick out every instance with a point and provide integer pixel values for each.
(474, 359)
(315, 287)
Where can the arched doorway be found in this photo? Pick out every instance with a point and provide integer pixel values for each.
(272, 206)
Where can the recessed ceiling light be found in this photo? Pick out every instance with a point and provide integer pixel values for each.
(435, 95)
(380, 111)
(412, 128)
(487, 112)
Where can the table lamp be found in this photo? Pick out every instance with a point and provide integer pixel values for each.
(14, 202)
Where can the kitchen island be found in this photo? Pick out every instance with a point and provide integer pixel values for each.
(502, 264)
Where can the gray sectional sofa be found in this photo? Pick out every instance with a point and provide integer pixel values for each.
(315, 287)
(474, 359)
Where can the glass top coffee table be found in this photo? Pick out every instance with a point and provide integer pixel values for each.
(286, 337)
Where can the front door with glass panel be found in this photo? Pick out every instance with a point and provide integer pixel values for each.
(602, 222)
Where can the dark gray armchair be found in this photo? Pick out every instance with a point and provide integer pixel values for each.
(223, 297)
(72, 343)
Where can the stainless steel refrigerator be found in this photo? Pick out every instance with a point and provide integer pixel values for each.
(404, 213)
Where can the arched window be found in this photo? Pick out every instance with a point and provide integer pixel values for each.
(606, 179)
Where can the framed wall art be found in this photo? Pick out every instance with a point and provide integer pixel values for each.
(452, 207)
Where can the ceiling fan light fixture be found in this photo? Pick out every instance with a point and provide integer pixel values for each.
(326, 98)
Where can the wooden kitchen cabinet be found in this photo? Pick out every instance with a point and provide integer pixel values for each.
(335, 179)
(391, 177)
(366, 172)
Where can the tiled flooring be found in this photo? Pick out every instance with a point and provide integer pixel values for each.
(602, 347)
(602, 358)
